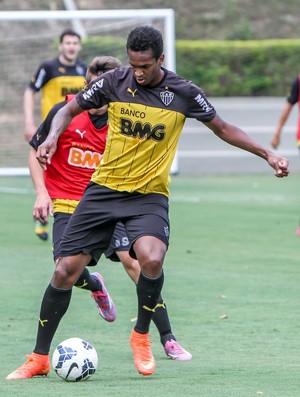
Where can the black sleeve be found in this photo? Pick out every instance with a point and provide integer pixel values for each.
(43, 130)
(294, 94)
(40, 78)
(96, 93)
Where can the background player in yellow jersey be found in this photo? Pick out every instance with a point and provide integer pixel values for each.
(147, 108)
(55, 78)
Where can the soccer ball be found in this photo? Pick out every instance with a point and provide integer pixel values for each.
(74, 360)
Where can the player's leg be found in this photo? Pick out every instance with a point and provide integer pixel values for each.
(79, 248)
(151, 250)
(53, 307)
(149, 236)
(93, 282)
(118, 250)
(160, 317)
(148, 289)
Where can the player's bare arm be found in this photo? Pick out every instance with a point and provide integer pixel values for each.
(59, 123)
(237, 137)
(275, 142)
(43, 203)
(29, 124)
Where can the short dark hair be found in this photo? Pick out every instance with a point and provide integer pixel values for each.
(143, 38)
(101, 65)
(68, 32)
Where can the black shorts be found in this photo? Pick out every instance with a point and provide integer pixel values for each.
(61, 220)
(91, 227)
(119, 242)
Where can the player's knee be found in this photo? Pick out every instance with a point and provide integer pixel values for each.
(150, 252)
(151, 264)
(65, 272)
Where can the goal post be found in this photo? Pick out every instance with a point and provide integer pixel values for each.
(30, 37)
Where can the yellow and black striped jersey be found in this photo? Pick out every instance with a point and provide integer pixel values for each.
(145, 124)
(56, 81)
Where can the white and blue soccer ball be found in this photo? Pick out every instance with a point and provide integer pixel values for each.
(74, 360)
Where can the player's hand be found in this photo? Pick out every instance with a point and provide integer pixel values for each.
(275, 142)
(43, 207)
(280, 165)
(45, 152)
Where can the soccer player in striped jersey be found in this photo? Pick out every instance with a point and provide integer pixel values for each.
(147, 108)
(58, 191)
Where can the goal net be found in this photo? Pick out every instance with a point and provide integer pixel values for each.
(30, 37)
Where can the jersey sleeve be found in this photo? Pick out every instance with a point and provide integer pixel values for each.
(294, 94)
(39, 79)
(95, 94)
(199, 107)
(43, 130)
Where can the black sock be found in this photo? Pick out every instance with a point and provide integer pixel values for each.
(54, 305)
(161, 320)
(86, 281)
(148, 292)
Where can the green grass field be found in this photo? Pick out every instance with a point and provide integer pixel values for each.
(234, 253)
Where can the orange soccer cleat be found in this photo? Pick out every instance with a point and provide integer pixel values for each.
(36, 365)
(142, 354)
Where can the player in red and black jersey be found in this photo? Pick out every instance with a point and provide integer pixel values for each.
(147, 108)
(60, 187)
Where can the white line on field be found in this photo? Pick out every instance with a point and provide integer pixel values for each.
(205, 198)
(190, 130)
(15, 190)
(227, 153)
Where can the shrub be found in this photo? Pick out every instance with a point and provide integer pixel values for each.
(239, 68)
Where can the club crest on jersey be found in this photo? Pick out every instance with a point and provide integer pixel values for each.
(166, 97)
(80, 70)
